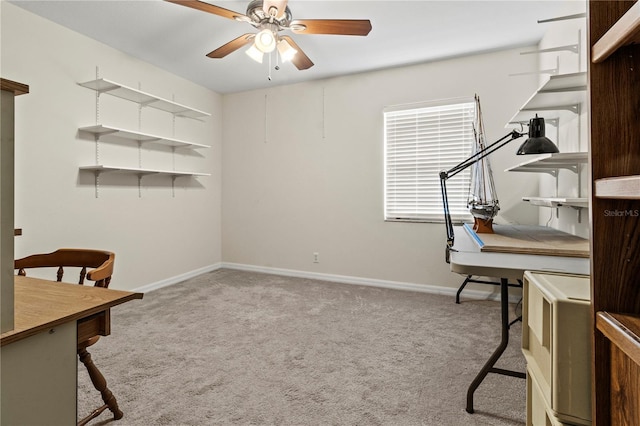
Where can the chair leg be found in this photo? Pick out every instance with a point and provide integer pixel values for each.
(100, 383)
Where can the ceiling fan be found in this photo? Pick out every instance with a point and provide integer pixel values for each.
(271, 17)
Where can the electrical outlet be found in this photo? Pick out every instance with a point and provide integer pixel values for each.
(316, 257)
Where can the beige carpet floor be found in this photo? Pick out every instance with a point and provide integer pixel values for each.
(242, 348)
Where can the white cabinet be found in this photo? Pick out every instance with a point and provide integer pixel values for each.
(144, 100)
(556, 344)
(39, 378)
(8, 91)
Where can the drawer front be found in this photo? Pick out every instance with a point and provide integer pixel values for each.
(571, 362)
(538, 412)
(536, 335)
(96, 325)
(556, 344)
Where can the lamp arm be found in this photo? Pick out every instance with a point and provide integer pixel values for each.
(448, 223)
(490, 149)
(445, 175)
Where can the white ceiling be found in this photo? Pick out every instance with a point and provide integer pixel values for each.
(177, 38)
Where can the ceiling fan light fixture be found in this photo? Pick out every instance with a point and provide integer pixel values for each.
(286, 51)
(254, 53)
(265, 41)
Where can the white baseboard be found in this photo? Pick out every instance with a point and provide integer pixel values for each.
(344, 279)
(396, 285)
(178, 278)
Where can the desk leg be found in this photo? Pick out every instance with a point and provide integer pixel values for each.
(504, 342)
(462, 286)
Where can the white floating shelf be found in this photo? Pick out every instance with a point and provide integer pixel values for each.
(624, 187)
(560, 94)
(102, 130)
(102, 168)
(550, 162)
(557, 202)
(103, 85)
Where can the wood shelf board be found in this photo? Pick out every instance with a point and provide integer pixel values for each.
(139, 171)
(624, 32)
(622, 330)
(528, 239)
(623, 187)
(13, 86)
(557, 202)
(557, 97)
(100, 129)
(546, 162)
(103, 85)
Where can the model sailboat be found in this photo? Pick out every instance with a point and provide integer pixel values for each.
(482, 200)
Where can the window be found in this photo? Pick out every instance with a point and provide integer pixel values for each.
(420, 141)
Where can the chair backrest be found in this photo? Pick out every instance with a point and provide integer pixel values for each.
(101, 260)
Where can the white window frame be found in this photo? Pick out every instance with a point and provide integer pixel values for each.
(420, 141)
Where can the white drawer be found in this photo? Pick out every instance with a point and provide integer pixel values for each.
(556, 342)
(538, 413)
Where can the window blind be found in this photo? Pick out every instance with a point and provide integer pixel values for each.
(420, 142)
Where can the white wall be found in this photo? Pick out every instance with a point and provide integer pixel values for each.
(303, 176)
(572, 132)
(307, 175)
(154, 234)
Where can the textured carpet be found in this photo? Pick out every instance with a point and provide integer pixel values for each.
(232, 347)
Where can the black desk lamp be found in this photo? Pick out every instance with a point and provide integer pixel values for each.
(537, 143)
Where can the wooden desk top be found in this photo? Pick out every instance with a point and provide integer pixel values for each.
(42, 304)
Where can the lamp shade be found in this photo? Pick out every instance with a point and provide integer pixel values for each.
(286, 51)
(265, 41)
(254, 53)
(537, 143)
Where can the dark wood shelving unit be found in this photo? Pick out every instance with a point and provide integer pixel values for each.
(614, 91)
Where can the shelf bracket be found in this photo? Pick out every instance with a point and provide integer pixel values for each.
(575, 108)
(552, 172)
(96, 175)
(140, 185)
(575, 48)
(562, 18)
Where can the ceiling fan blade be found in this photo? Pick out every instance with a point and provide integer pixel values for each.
(359, 27)
(206, 7)
(232, 46)
(300, 60)
(280, 5)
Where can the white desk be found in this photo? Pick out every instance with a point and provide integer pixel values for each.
(466, 258)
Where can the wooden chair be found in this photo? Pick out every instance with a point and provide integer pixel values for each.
(102, 261)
